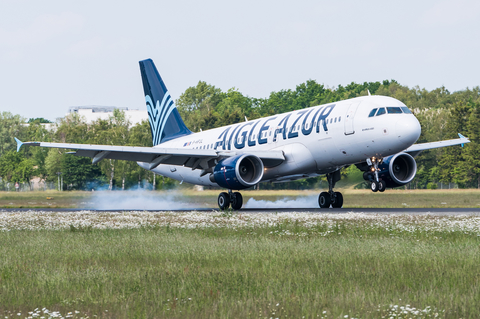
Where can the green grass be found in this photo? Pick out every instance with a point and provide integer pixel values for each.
(469, 198)
(157, 272)
(44, 199)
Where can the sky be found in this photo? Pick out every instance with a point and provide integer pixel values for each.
(58, 54)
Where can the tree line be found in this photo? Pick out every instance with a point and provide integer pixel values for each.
(442, 115)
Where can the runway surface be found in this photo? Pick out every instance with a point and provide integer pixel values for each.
(410, 211)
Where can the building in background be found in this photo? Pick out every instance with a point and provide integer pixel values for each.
(95, 112)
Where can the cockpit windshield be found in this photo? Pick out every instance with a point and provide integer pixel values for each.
(380, 111)
(372, 113)
(389, 110)
(394, 110)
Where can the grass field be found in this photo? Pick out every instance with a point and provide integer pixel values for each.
(207, 199)
(238, 265)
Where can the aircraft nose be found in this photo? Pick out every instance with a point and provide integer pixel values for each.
(408, 130)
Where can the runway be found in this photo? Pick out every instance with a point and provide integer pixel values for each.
(386, 211)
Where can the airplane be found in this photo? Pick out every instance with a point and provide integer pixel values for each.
(375, 133)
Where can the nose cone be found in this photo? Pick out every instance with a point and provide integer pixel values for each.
(408, 130)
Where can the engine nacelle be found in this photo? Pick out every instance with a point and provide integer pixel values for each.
(398, 170)
(238, 172)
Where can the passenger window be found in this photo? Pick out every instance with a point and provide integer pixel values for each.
(339, 118)
(394, 110)
(380, 111)
(406, 110)
(335, 120)
(372, 113)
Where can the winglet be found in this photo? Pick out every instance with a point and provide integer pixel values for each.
(461, 136)
(19, 143)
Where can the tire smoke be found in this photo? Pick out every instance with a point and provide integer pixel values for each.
(299, 202)
(137, 200)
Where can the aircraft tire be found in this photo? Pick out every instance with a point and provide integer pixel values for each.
(223, 201)
(382, 186)
(324, 200)
(237, 201)
(374, 186)
(338, 202)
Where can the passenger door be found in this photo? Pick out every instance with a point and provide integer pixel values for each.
(349, 117)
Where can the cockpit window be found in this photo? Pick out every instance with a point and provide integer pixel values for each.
(372, 113)
(394, 110)
(381, 111)
(406, 110)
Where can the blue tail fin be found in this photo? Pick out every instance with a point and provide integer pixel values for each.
(165, 121)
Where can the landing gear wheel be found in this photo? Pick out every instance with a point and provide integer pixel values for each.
(324, 200)
(237, 201)
(382, 186)
(223, 201)
(337, 200)
(374, 186)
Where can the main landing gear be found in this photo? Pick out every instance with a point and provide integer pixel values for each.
(325, 199)
(377, 184)
(225, 200)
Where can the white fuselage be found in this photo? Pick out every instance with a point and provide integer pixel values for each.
(315, 140)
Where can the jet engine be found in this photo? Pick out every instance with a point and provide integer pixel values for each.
(397, 170)
(238, 172)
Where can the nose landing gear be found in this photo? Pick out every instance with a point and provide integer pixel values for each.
(225, 200)
(325, 199)
(377, 184)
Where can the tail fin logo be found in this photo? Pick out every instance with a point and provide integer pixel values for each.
(165, 121)
(158, 114)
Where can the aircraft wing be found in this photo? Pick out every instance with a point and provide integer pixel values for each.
(194, 158)
(416, 149)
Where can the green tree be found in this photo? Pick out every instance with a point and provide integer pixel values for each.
(14, 167)
(197, 105)
(471, 153)
(451, 158)
(38, 120)
(10, 126)
(113, 131)
(78, 172)
(53, 164)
